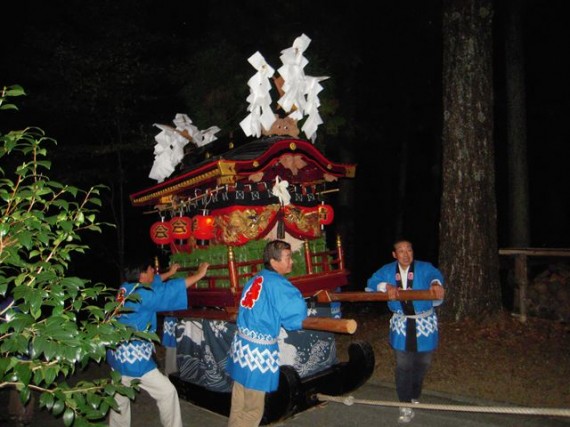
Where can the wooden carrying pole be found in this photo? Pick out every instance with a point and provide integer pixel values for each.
(328, 324)
(403, 295)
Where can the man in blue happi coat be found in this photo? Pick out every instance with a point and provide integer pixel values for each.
(413, 326)
(268, 302)
(134, 359)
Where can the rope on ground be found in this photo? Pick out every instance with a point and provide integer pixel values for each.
(349, 400)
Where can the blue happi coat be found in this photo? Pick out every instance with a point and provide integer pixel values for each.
(134, 358)
(268, 302)
(169, 331)
(168, 326)
(425, 317)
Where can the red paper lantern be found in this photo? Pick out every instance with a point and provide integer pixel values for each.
(161, 233)
(326, 214)
(181, 227)
(203, 226)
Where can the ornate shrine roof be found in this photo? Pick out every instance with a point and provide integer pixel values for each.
(253, 163)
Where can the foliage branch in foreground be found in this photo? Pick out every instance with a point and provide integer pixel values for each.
(51, 325)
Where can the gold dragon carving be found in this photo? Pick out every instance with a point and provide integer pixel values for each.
(247, 223)
(308, 222)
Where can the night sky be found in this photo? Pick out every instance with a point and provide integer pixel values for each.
(99, 73)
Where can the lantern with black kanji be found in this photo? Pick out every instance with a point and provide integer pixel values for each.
(203, 228)
(326, 214)
(181, 227)
(161, 233)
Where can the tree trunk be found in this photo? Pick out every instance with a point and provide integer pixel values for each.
(468, 229)
(519, 231)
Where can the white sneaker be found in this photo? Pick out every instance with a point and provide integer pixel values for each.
(406, 415)
(415, 401)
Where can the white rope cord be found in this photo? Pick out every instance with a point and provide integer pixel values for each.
(349, 400)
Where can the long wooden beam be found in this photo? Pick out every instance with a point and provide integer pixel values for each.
(403, 295)
(546, 252)
(326, 324)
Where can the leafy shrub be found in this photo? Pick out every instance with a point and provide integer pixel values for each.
(51, 325)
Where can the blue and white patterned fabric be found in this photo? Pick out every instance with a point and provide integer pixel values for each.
(426, 320)
(134, 358)
(169, 331)
(169, 324)
(268, 302)
(203, 348)
(254, 355)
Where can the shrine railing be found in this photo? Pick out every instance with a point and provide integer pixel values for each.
(234, 274)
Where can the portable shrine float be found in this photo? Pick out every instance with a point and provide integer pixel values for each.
(225, 201)
(223, 209)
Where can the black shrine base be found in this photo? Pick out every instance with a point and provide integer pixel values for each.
(295, 394)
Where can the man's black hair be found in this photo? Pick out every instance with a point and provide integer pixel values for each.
(273, 250)
(132, 273)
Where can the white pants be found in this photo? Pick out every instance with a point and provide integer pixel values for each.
(170, 364)
(160, 389)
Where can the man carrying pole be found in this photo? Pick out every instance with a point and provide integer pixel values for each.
(413, 326)
(268, 302)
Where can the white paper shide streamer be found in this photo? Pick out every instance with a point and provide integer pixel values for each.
(280, 190)
(169, 150)
(300, 91)
(259, 98)
(299, 100)
(312, 89)
(293, 75)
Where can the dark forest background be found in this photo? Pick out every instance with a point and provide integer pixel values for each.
(99, 74)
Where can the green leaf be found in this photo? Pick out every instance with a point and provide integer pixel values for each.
(8, 107)
(25, 239)
(79, 398)
(23, 372)
(73, 190)
(94, 400)
(66, 226)
(73, 282)
(20, 321)
(35, 303)
(61, 203)
(7, 363)
(107, 403)
(58, 407)
(50, 375)
(46, 400)
(14, 90)
(50, 350)
(39, 344)
(46, 164)
(130, 393)
(24, 395)
(68, 417)
(110, 390)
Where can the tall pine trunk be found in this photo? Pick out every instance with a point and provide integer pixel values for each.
(468, 227)
(519, 228)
